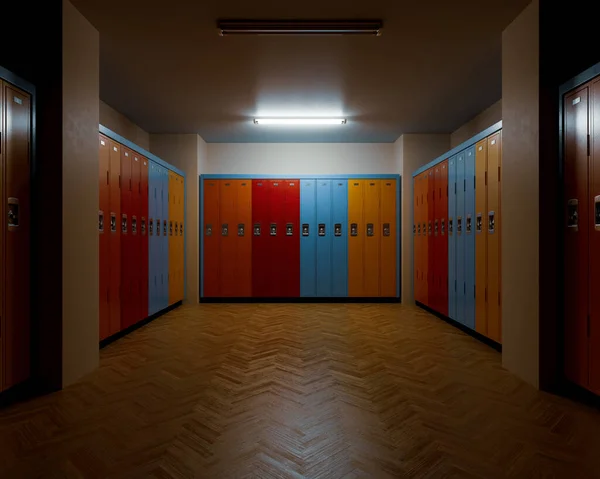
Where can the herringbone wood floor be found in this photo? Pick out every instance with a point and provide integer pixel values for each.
(303, 390)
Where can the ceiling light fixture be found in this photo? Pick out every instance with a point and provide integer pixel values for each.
(300, 27)
(299, 121)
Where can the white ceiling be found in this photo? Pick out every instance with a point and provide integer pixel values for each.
(163, 65)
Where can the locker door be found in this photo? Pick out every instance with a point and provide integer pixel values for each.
(165, 238)
(481, 237)
(493, 224)
(452, 244)
(324, 238)
(276, 257)
(594, 239)
(444, 239)
(228, 233)
(339, 242)
(431, 260)
(127, 262)
(115, 237)
(437, 217)
(136, 176)
(212, 239)
(416, 242)
(144, 239)
(577, 232)
(244, 238)
(260, 239)
(461, 235)
(356, 238)
(372, 228)
(171, 238)
(103, 237)
(181, 250)
(388, 238)
(152, 283)
(424, 238)
(16, 320)
(469, 239)
(308, 239)
(2, 328)
(290, 238)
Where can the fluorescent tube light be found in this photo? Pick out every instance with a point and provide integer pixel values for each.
(300, 27)
(299, 121)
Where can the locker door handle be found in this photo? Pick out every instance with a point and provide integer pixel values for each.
(305, 229)
(321, 229)
(224, 229)
(450, 226)
(289, 229)
(13, 213)
(337, 229)
(354, 229)
(256, 229)
(241, 229)
(370, 229)
(478, 223)
(469, 224)
(273, 229)
(208, 230)
(491, 222)
(101, 221)
(386, 229)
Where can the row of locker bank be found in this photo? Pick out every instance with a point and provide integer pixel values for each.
(287, 238)
(457, 237)
(141, 237)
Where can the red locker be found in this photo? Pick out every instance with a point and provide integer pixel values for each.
(594, 234)
(431, 260)
(276, 256)
(136, 244)
(103, 237)
(228, 233)
(127, 310)
(114, 241)
(212, 236)
(261, 244)
(290, 266)
(443, 238)
(144, 238)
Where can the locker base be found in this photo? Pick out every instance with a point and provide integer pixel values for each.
(300, 300)
(133, 327)
(463, 328)
(578, 393)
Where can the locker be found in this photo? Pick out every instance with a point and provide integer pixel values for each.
(103, 237)
(461, 235)
(244, 239)
(356, 238)
(135, 239)
(180, 208)
(481, 237)
(324, 238)
(372, 228)
(387, 231)
(437, 236)
(425, 238)
(416, 238)
(290, 240)
(114, 241)
(276, 258)
(493, 223)
(339, 242)
(594, 243)
(15, 334)
(173, 243)
(127, 253)
(577, 233)
(443, 238)
(165, 238)
(308, 238)
(153, 239)
(212, 237)
(452, 243)
(469, 239)
(261, 268)
(228, 229)
(143, 233)
(432, 296)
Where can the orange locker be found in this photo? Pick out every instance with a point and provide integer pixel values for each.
(356, 238)
(481, 160)
(431, 259)
(424, 238)
(212, 235)
(15, 188)
(372, 229)
(103, 240)
(387, 230)
(228, 231)
(416, 238)
(494, 318)
(113, 227)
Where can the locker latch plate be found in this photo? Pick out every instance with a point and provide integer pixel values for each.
(450, 227)
(134, 225)
(429, 229)
(208, 230)
(443, 226)
(256, 229)
(491, 222)
(273, 229)
(170, 228)
(113, 222)
(13, 213)
(124, 223)
(143, 226)
(386, 229)
(151, 227)
(469, 224)
(225, 229)
(337, 229)
(419, 229)
(597, 213)
(354, 229)
(289, 229)
(241, 229)
(435, 228)
(478, 223)
(305, 229)
(458, 225)
(165, 228)
(101, 221)
(181, 229)
(370, 229)
(176, 228)
(321, 229)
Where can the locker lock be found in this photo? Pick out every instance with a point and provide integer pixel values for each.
(491, 222)
(305, 229)
(208, 230)
(241, 229)
(164, 227)
(176, 228)
(225, 229)
(354, 229)
(573, 214)
(273, 229)
(443, 226)
(337, 229)
(289, 229)
(469, 225)
(478, 224)
(134, 225)
(435, 228)
(386, 229)
(459, 225)
(101, 221)
(597, 213)
(113, 223)
(13, 213)
(450, 227)
(321, 229)
(151, 226)
(124, 223)
(143, 226)
(370, 229)
(256, 229)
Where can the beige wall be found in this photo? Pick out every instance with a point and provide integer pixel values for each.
(120, 124)
(80, 196)
(182, 151)
(520, 190)
(417, 150)
(485, 119)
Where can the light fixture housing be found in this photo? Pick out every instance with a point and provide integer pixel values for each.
(300, 27)
(299, 121)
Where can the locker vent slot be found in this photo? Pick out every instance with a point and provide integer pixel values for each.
(101, 221)
(256, 229)
(241, 229)
(305, 229)
(113, 223)
(289, 229)
(354, 229)
(469, 225)
(273, 229)
(491, 222)
(450, 227)
(370, 229)
(458, 225)
(337, 229)
(478, 223)
(386, 229)
(224, 229)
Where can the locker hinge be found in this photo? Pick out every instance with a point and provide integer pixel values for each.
(465, 288)
(455, 187)
(130, 185)
(486, 178)
(588, 325)
(454, 285)
(107, 295)
(589, 141)
(498, 173)
(465, 184)
(498, 298)
(119, 181)
(485, 290)
(474, 182)
(446, 190)
(107, 177)
(0, 142)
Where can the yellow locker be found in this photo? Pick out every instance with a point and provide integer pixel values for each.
(372, 229)
(481, 237)
(387, 265)
(494, 157)
(356, 237)
(172, 241)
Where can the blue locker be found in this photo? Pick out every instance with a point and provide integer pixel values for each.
(460, 237)
(308, 238)
(469, 255)
(324, 238)
(164, 239)
(452, 282)
(339, 248)
(152, 240)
